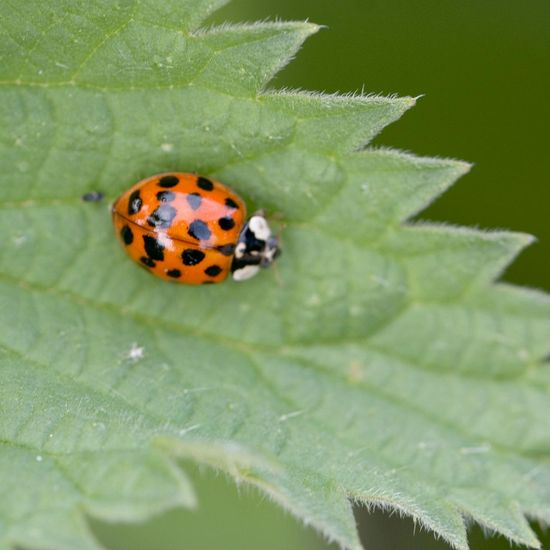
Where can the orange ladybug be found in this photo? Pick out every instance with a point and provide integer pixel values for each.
(191, 229)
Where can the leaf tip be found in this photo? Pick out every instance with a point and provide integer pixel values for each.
(409, 101)
(513, 243)
(308, 28)
(523, 240)
(461, 167)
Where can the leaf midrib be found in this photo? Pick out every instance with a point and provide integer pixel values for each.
(153, 322)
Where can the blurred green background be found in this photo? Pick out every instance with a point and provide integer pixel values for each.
(484, 67)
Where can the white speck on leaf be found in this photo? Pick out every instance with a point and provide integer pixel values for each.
(427, 445)
(380, 281)
(136, 352)
(184, 431)
(485, 448)
(313, 300)
(195, 390)
(19, 240)
(285, 417)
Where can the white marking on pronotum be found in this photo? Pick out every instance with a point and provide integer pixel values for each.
(259, 227)
(136, 352)
(285, 417)
(240, 250)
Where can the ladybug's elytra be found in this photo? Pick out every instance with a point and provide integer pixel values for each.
(191, 229)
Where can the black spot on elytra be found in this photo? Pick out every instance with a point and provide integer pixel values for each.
(226, 223)
(166, 196)
(147, 261)
(153, 248)
(231, 203)
(208, 282)
(162, 217)
(194, 200)
(199, 230)
(126, 235)
(168, 181)
(174, 273)
(134, 203)
(205, 183)
(226, 249)
(213, 270)
(192, 256)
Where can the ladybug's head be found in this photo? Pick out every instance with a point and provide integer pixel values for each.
(257, 247)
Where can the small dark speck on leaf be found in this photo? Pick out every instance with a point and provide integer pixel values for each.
(93, 196)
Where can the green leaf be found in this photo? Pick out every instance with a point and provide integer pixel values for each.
(378, 364)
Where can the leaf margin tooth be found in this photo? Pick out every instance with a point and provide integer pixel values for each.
(496, 250)
(350, 113)
(278, 48)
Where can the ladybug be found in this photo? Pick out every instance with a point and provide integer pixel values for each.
(191, 229)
